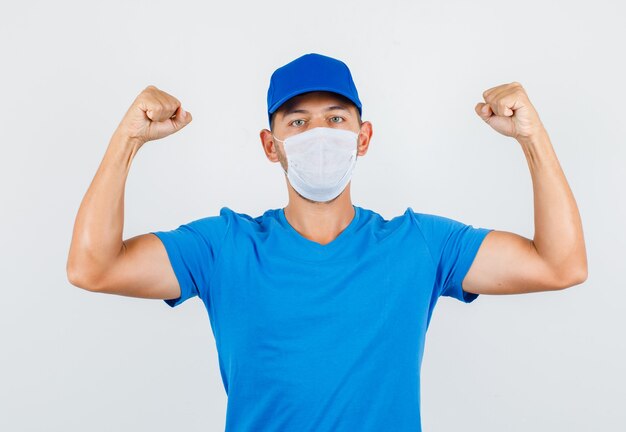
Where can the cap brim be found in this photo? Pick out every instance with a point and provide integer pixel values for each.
(284, 99)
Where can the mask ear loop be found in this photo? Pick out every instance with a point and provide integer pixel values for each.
(281, 166)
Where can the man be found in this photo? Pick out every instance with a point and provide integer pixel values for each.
(320, 309)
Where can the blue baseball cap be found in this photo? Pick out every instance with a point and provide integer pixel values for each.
(310, 72)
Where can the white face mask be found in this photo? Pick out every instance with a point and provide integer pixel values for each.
(320, 161)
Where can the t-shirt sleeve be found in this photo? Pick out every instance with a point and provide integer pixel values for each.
(193, 249)
(453, 246)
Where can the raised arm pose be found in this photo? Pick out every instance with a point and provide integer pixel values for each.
(320, 309)
(99, 259)
(556, 257)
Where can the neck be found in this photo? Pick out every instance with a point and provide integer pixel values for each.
(319, 222)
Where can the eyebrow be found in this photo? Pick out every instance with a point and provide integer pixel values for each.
(303, 111)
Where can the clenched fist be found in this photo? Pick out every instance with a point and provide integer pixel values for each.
(508, 110)
(154, 114)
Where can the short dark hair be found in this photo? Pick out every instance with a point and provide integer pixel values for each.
(343, 99)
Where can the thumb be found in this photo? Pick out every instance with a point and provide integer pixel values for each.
(179, 120)
(502, 124)
(483, 110)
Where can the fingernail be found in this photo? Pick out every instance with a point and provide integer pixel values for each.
(183, 112)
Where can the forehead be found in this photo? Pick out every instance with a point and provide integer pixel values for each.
(321, 98)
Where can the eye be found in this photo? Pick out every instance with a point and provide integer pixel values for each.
(336, 119)
(297, 123)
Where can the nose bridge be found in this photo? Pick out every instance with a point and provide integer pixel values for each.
(317, 120)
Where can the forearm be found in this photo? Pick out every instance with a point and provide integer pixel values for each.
(97, 236)
(558, 235)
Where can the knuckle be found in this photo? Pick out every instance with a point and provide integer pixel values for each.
(172, 101)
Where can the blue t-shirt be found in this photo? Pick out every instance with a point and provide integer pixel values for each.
(315, 337)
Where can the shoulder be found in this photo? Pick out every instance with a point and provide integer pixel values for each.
(428, 222)
(226, 220)
(383, 228)
(244, 222)
(433, 229)
(409, 219)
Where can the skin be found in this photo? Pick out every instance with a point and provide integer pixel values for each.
(100, 260)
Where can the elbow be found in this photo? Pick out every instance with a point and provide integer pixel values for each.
(75, 278)
(583, 276)
(78, 277)
(574, 276)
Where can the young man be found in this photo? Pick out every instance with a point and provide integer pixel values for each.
(320, 309)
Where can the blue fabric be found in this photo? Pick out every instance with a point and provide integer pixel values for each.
(310, 72)
(317, 337)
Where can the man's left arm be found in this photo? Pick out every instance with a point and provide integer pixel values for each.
(507, 263)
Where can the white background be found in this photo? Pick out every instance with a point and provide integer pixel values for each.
(72, 360)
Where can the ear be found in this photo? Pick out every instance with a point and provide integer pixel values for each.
(365, 135)
(269, 145)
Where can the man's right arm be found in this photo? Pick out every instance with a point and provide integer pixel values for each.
(99, 259)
